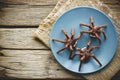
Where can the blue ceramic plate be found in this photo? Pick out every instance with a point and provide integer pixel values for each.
(74, 17)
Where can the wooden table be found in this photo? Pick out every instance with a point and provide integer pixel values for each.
(22, 56)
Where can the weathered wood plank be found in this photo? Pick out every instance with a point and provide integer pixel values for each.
(31, 13)
(27, 74)
(29, 2)
(42, 65)
(19, 39)
(114, 7)
(24, 67)
(111, 1)
(113, 4)
(23, 15)
(46, 67)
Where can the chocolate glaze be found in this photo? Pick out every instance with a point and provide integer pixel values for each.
(70, 41)
(85, 54)
(93, 30)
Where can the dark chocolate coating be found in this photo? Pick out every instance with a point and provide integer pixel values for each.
(69, 42)
(94, 30)
(86, 54)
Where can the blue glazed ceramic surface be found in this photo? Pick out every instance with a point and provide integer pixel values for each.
(74, 17)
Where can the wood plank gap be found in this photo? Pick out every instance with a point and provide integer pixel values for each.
(29, 2)
(15, 27)
(21, 49)
(23, 5)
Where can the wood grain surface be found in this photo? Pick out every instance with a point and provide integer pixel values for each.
(22, 56)
(20, 38)
(31, 12)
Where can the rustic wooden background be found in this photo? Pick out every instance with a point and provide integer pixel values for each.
(21, 55)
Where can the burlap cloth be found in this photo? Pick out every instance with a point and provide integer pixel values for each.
(43, 32)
